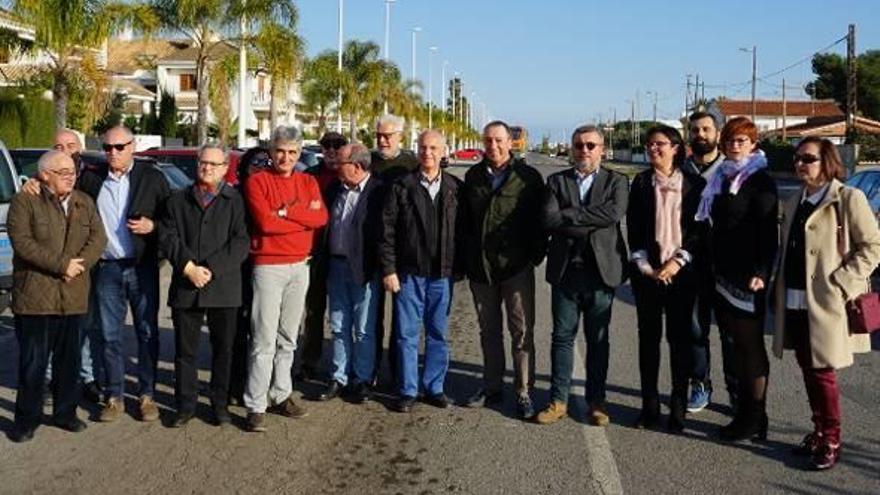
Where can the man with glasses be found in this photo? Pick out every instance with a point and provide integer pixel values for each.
(389, 161)
(204, 237)
(583, 208)
(706, 157)
(316, 297)
(51, 290)
(503, 243)
(286, 208)
(130, 197)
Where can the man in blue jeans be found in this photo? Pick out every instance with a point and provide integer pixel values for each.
(582, 212)
(417, 257)
(130, 197)
(355, 204)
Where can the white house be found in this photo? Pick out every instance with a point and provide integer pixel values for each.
(770, 114)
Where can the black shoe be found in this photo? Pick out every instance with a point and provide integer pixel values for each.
(332, 391)
(74, 425)
(22, 435)
(483, 398)
(221, 416)
(404, 404)
(677, 409)
(650, 414)
(362, 393)
(437, 400)
(306, 374)
(750, 423)
(92, 392)
(181, 419)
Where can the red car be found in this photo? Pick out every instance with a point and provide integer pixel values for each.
(472, 154)
(187, 159)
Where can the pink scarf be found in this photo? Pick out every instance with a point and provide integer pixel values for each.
(667, 213)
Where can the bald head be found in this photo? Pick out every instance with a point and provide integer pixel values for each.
(67, 142)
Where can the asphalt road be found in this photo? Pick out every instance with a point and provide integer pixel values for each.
(352, 449)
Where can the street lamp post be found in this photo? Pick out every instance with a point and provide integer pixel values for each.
(415, 30)
(242, 83)
(655, 103)
(431, 51)
(455, 82)
(387, 56)
(339, 68)
(754, 50)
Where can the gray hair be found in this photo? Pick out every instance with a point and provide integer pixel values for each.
(50, 158)
(361, 155)
(121, 128)
(215, 145)
(66, 130)
(583, 129)
(392, 120)
(285, 134)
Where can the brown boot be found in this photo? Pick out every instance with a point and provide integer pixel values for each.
(554, 412)
(598, 415)
(149, 410)
(112, 410)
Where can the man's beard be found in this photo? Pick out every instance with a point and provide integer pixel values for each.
(703, 147)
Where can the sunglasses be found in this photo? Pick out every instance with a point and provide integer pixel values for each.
(585, 146)
(118, 146)
(805, 159)
(333, 145)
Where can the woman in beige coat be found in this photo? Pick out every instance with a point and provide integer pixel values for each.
(815, 281)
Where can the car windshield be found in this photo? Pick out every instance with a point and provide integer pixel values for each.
(176, 178)
(7, 180)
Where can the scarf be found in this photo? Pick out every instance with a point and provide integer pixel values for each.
(735, 171)
(667, 213)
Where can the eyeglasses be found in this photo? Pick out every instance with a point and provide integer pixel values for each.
(118, 146)
(64, 174)
(738, 141)
(385, 135)
(657, 144)
(206, 163)
(333, 145)
(590, 146)
(805, 159)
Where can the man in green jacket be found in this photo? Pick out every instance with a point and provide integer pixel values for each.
(504, 242)
(57, 236)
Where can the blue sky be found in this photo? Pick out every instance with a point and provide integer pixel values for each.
(553, 64)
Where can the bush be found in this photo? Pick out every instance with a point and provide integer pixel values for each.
(779, 155)
(39, 125)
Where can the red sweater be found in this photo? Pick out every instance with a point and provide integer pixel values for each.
(277, 240)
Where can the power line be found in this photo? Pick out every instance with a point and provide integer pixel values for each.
(808, 57)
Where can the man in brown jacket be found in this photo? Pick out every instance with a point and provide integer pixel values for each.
(56, 237)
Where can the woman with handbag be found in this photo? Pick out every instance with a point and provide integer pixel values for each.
(830, 246)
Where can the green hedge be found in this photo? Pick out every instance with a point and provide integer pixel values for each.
(40, 126)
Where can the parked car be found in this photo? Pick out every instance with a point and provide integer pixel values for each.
(472, 154)
(868, 180)
(25, 160)
(187, 159)
(9, 184)
(176, 178)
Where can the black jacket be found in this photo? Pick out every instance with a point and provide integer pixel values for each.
(503, 233)
(641, 227)
(148, 191)
(591, 230)
(363, 257)
(403, 245)
(215, 237)
(745, 230)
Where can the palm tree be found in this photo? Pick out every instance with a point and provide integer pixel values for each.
(222, 77)
(362, 80)
(320, 85)
(281, 53)
(68, 33)
(206, 22)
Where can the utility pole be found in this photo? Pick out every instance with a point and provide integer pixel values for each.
(697, 93)
(387, 56)
(754, 80)
(242, 84)
(687, 96)
(851, 84)
(339, 68)
(784, 113)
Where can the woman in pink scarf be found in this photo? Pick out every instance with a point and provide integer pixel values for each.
(665, 239)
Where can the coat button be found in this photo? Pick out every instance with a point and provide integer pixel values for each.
(811, 227)
(812, 277)
(813, 252)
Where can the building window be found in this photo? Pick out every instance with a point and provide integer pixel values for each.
(187, 82)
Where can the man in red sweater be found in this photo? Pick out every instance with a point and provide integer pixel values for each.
(286, 208)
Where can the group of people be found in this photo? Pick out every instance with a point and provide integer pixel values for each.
(282, 248)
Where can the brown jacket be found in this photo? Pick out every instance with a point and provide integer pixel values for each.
(830, 281)
(44, 241)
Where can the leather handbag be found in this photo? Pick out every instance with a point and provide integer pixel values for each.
(863, 312)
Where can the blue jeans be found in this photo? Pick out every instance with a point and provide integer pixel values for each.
(118, 283)
(422, 301)
(353, 309)
(580, 294)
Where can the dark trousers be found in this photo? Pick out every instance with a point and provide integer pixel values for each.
(187, 334)
(821, 383)
(38, 337)
(700, 355)
(238, 375)
(380, 337)
(676, 301)
(580, 292)
(316, 308)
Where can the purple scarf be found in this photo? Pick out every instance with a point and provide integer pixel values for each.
(737, 172)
